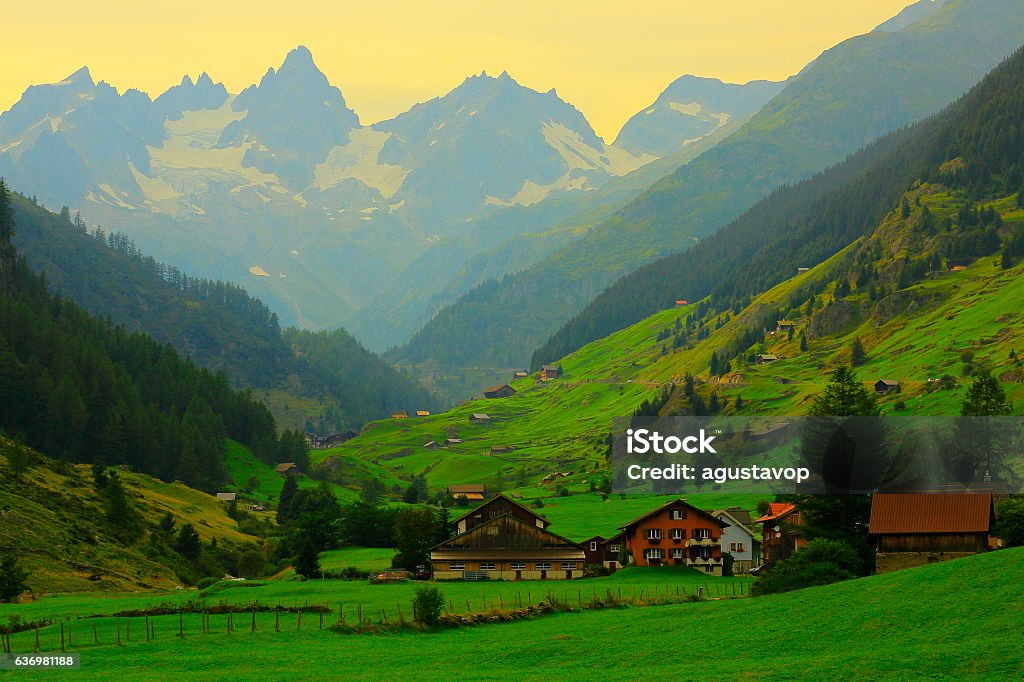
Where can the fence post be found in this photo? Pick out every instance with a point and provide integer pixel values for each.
(95, 635)
(277, 620)
(321, 620)
(128, 630)
(254, 620)
(360, 608)
(181, 625)
(119, 632)
(62, 635)
(37, 640)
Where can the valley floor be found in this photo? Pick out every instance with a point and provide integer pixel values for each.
(958, 619)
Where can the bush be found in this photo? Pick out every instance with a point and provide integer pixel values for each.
(820, 562)
(427, 605)
(1009, 525)
(203, 583)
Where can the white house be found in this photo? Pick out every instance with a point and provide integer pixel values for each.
(738, 539)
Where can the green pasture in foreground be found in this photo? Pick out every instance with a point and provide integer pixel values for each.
(952, 620)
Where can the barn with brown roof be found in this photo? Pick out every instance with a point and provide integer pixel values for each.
(474, 492)
(500, 391)
(914, 528)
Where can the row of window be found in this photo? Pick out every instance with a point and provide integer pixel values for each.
(611, 548)
(736, 547)
(675, 553)
(517, 566)
(679, 533)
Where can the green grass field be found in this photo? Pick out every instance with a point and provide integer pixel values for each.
(952, 620)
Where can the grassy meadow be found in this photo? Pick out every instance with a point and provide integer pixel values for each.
(951, 620)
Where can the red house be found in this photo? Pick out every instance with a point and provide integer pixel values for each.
(676, 533)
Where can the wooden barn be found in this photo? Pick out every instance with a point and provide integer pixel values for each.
(479, 417)
(227, 497)
(883, 386)
(287, 469)
(339, 438)
(676, 533)
(422, 413)
(550, 372)
(780, 533)
(507, 547)
(474, 492)
(431, 445)
(520, 374)
(912, 529)
(498, 505)
(602, 551)
(400, 414)
(502, 391)
(501, 449)
(766, 358)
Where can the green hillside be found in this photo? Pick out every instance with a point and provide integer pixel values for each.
(950, 620)
(55, 520)
(216, 324)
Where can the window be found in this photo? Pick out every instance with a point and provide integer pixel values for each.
(543, 566)
(615, 548)
(652, 554)
(492, 530)
(653, 533)
(709, 569)
(487, 567)
(701, 533)
(678, 514)
(568, 565)
(736, 547)
(518, 565)
(456, 567)
(677, 553)
(678, 533)
(593, 546)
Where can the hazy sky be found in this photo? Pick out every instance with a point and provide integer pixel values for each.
(608, 58)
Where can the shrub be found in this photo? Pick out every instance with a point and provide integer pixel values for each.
(203, 583)
(1009, 525)
(820, 562)
(427, 604)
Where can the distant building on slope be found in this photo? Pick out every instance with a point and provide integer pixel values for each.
(883, 386)
(501, 391)
(287, 469)
(550, 372)
(474, 492)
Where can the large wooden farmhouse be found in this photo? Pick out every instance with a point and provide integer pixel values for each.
(780, 533)
(912, 529)
(473, 492)
(503, 540)
(676, 533)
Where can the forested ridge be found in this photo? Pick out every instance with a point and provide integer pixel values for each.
(802, 225)
(85, 389)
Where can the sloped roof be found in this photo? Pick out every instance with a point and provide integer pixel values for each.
(777, 510)
(930, 513)
(733, 521)
(672, 503)
(507, 499)
(283, 467)
(467, 488)
(561, 543)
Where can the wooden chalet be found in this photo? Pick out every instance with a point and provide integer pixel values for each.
(958, 264)
(676, 533)
(507, 547)
(883, 386)
(339, 438)
(501, 449)
(479, 417)
(602, 551)
(912, 529)
(431, 445)
(738, 539)
(520, 374)
(473, 492)
(766, 358)
(287, 469)
(400, 414)
(802, 271)
(452, 441)
(502, 391)
(550, 372)
(783, 326)
(422, 413)
(780, 533)
(495, 507)
(227, 497)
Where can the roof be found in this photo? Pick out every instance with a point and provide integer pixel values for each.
(284, 466)
(671, 503)
(888, 382)
(467, 488)
(450, 441)
(504, 555)
(573, 548)
(430, 443)
(508, 499)
(768, 356)
(422, 413)
(227, 497)
(777, 510)
(479, 415)
(897, 513)
(551, 368)
(733, 521)
(494, 389)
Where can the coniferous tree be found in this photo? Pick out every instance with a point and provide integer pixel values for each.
(858, 356)
(288, 491)
(12, 577)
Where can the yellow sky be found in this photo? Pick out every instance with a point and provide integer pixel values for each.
(607, 58)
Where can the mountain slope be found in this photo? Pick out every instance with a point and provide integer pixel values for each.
(896, 219)
(689, 109)
(853, 93)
